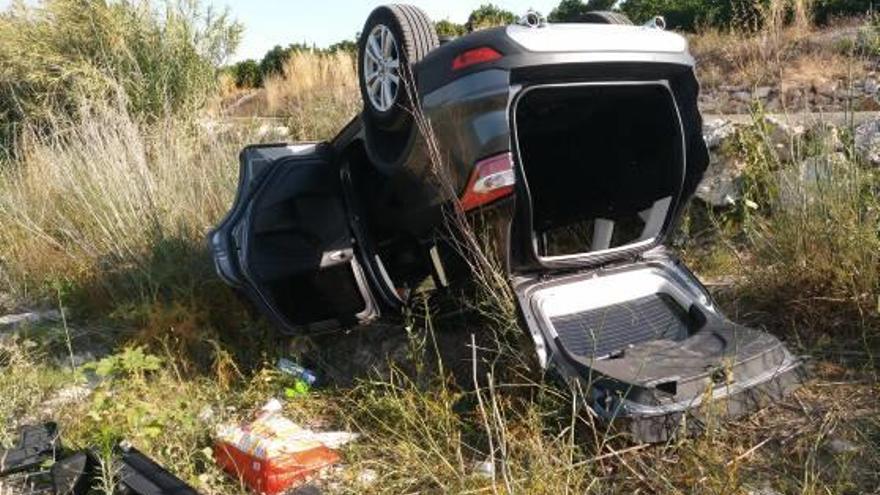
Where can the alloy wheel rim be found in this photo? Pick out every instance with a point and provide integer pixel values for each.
(382, 68)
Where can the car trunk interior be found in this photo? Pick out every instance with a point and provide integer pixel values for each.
(603, 164)
(649, 331)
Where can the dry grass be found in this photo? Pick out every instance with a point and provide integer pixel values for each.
(100, 201)
(780, 54)
(317, 94)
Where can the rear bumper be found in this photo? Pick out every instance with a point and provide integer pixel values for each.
(652, 424)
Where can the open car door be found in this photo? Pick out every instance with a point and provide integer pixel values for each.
(287, 241)
(604, 170)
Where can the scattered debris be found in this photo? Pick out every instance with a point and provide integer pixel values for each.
(272, 454)
(75, 473)
(36, 445)
(304, 379)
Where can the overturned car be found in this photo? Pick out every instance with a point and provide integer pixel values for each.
(583, 141)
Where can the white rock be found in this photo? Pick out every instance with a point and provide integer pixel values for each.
(206, 415)
(14, 322)
(743, 96)
(867, 141)
(485, 469)
(65, 396)
(871, 86)
(840, 446)
(767, 490)
(783, 136)
(716, 131)
(799, 184)
(367, 477)
(722, 184)
(762, 92)
(268, 131)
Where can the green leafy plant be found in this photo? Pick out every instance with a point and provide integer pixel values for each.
(133, 361)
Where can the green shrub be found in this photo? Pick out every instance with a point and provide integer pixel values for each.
(825, 10)
(247, 74)
(449, 28)
(158, 60)
(572, 10)
(489, 15)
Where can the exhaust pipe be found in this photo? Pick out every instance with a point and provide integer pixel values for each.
(657, 22)
(532, 19)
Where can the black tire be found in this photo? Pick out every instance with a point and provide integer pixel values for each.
(415, 37)
(605, 17)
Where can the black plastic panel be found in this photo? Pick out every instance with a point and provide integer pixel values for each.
(601, 332)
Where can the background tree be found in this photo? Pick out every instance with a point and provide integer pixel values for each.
(573, 10)
(273, 61)
(342, 46)
(680, 14)
(247, 74)
(449, 28)
(489, 15)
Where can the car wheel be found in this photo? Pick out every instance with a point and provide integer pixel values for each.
(394, 38)
(606, 17)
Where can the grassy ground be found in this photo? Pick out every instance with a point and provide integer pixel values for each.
(105, 216)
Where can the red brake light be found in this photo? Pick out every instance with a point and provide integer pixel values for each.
(475, 56)
(492, 179)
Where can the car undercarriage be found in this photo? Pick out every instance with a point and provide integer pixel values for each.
(577, 145)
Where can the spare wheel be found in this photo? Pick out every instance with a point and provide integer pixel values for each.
(393, 39)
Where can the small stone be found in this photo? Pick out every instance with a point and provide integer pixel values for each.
(722, 184)
(867, 141)
(871, 86)
(783, 136)
(766, 490)
(367, 477)
(206, 415)
(65, 396)
(716, 131)
(484, 469)
(762, 92)
(742, 96)
(869, 104)
(799, 184)
(825, 88)
(838, 446)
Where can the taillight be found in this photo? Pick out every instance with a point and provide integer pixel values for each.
(475, 56)
(492, 179)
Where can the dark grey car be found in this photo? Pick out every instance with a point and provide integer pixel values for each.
(582, 142)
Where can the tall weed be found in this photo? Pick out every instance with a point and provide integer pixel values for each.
(317, 93)
(161, 58)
